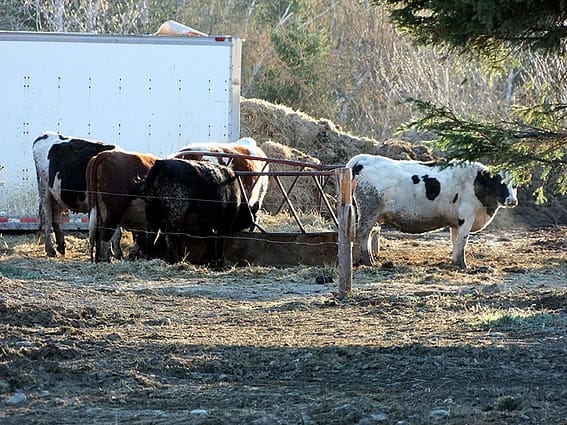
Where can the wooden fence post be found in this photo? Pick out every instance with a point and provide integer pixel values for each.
(345, 216)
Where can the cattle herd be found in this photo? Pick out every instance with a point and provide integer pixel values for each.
(198, 192)
(162, 201)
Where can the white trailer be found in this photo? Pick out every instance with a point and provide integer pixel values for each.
(150, 94)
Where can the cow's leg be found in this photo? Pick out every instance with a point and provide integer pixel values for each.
(115, 243)
(103, 251)
(41, 223)
(43, 194)
(96, 236)
(110, 234)
(107, 242)
(459, 237)
(215, 252)
(54, 211)
(374, 244)
(368, 205)
(363, 230)
(57, 210)
(59, 236)
(46, 210)
(93, 233)
(172, 244)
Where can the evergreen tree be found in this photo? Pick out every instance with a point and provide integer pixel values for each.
(532, 138)
(296, 76)
(482, 24)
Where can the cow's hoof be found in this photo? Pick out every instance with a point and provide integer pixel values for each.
(218, 264)
(118, 255)
(368, 264)
(480, 269)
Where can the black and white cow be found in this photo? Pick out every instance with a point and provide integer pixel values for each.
(60, 164)
(416, 197)
(197, 198)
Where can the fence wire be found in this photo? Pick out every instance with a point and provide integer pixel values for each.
(310, 208)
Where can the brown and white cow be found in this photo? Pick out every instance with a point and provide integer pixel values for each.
(196, 198)
(256, 187)
(114, 190)
(60, 164)
(416, 197)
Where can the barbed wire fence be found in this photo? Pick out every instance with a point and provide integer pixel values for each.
(339, 218)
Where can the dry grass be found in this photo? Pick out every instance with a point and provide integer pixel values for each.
(312, 221)
(148, 343)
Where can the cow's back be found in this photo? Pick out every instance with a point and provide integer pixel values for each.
(195, 194)
(62, 162)
(116, 172)
(414, 197)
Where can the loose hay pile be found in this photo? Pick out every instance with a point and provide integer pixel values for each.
(320, 139)
(287, 134)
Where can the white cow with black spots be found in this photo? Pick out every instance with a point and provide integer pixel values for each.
(418, 197)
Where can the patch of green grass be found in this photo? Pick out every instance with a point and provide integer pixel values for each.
(515, 319)
(14, 272)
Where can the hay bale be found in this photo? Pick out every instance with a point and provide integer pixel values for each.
(281, 151)
(320, 139)
(288, 134)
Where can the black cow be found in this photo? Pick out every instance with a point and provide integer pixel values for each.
(60, 164)
(196, 198)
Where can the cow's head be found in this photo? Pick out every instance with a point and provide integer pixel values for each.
(511, 199)
(495, 190)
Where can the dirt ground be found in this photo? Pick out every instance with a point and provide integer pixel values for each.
(418, 342)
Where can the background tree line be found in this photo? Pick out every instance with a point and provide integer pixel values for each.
(345, 60)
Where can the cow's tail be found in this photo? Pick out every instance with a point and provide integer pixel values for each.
(147, 182)
(92, 231)
(151, 239)
(92, 182)
(92, 200)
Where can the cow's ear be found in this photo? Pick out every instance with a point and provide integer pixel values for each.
(483, 178)
(488, 176)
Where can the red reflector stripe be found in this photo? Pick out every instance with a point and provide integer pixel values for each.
(29, 220)
(220, 38)
(3, 219)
